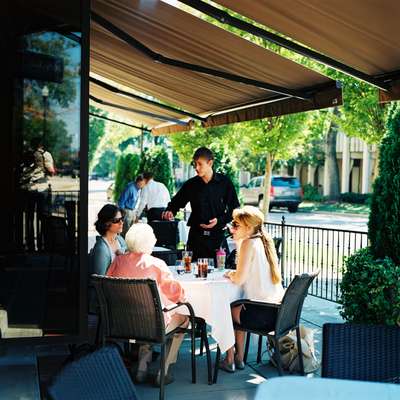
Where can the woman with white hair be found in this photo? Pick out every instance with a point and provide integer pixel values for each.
(139, 263)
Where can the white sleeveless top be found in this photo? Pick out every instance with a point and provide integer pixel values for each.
(258, 285)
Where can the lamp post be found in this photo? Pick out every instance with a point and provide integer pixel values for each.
(45, 95)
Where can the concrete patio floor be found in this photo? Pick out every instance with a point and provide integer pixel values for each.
(241, 385)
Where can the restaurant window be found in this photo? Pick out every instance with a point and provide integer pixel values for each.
(40, 268)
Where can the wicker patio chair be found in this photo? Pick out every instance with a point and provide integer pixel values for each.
(131, 310)
(361, 352)
(97, 376)
(288, 318)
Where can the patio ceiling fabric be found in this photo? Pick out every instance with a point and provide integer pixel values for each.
(181, 36)
(147, 114)
(363, 34)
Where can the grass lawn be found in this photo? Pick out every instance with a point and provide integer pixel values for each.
(344, 208)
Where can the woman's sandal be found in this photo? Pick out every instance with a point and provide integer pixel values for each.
(225, 366)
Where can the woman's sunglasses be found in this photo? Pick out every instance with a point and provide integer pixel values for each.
(235, 225)
(117, 220)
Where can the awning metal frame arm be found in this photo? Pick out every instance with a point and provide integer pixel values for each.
(228, 19)
(144, 100)
(141, 112)
(157, 57)
(119, 122)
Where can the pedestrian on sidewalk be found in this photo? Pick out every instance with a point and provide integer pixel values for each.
(128, 201)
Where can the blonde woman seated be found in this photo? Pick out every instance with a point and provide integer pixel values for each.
(138, 263)
(258, 273)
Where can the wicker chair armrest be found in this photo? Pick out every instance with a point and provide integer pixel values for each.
(256, 303)
(187, 305)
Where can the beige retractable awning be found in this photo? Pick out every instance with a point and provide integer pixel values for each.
(363, 34)
(180, 36)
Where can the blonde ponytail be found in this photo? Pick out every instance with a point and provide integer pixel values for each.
(272, 258)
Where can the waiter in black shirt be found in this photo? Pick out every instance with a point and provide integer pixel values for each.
(212, 197)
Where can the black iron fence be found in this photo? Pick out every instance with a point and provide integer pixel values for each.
(308, 248)
(65, 204)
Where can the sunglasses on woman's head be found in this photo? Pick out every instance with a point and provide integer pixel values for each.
(117, 220)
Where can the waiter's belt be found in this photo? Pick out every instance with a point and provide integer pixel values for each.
(206, 233)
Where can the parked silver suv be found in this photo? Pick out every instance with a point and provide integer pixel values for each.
(285, 192)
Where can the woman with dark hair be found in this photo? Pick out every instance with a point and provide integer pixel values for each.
(109, 224)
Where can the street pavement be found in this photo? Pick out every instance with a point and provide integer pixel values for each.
(323, 220)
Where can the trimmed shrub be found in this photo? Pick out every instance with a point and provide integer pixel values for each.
(127, 170)
(370, 290)
(384, 219)
(355, 198)
(311, 193)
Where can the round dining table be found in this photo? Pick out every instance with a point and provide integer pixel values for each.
(211, 299)
(302, 388)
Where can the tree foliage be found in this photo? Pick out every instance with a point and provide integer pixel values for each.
(384, 219)
(127, 170)
(107, 163)
(97, 129)
(156, 160)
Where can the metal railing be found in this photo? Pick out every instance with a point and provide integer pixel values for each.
(66, 204)
(308, 248)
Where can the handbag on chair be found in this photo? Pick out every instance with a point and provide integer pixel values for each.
(290, 354)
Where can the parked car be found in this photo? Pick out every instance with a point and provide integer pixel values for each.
(285, 191)
(110, 192)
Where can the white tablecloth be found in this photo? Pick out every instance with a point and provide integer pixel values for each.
(211, 300)
(300, 388)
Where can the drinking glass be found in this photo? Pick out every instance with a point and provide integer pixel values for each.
(211, 265)
(202, 265)
(180, 269)
(187, 260)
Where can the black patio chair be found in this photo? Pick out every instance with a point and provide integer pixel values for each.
(131, 309)
(100, 375)
(361, 352)
(287, 319)
(166, 232)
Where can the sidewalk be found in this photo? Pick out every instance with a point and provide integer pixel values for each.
(242, 384)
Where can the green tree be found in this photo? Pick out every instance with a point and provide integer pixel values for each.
(224, 165)
(126, 171)
(97, 129)
(273, 139)
(58, 140)
(384, 218)
(185, 144)
(156, 160)
(107, 163)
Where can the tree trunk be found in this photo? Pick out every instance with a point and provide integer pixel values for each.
(267, 184)
(331, 175)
